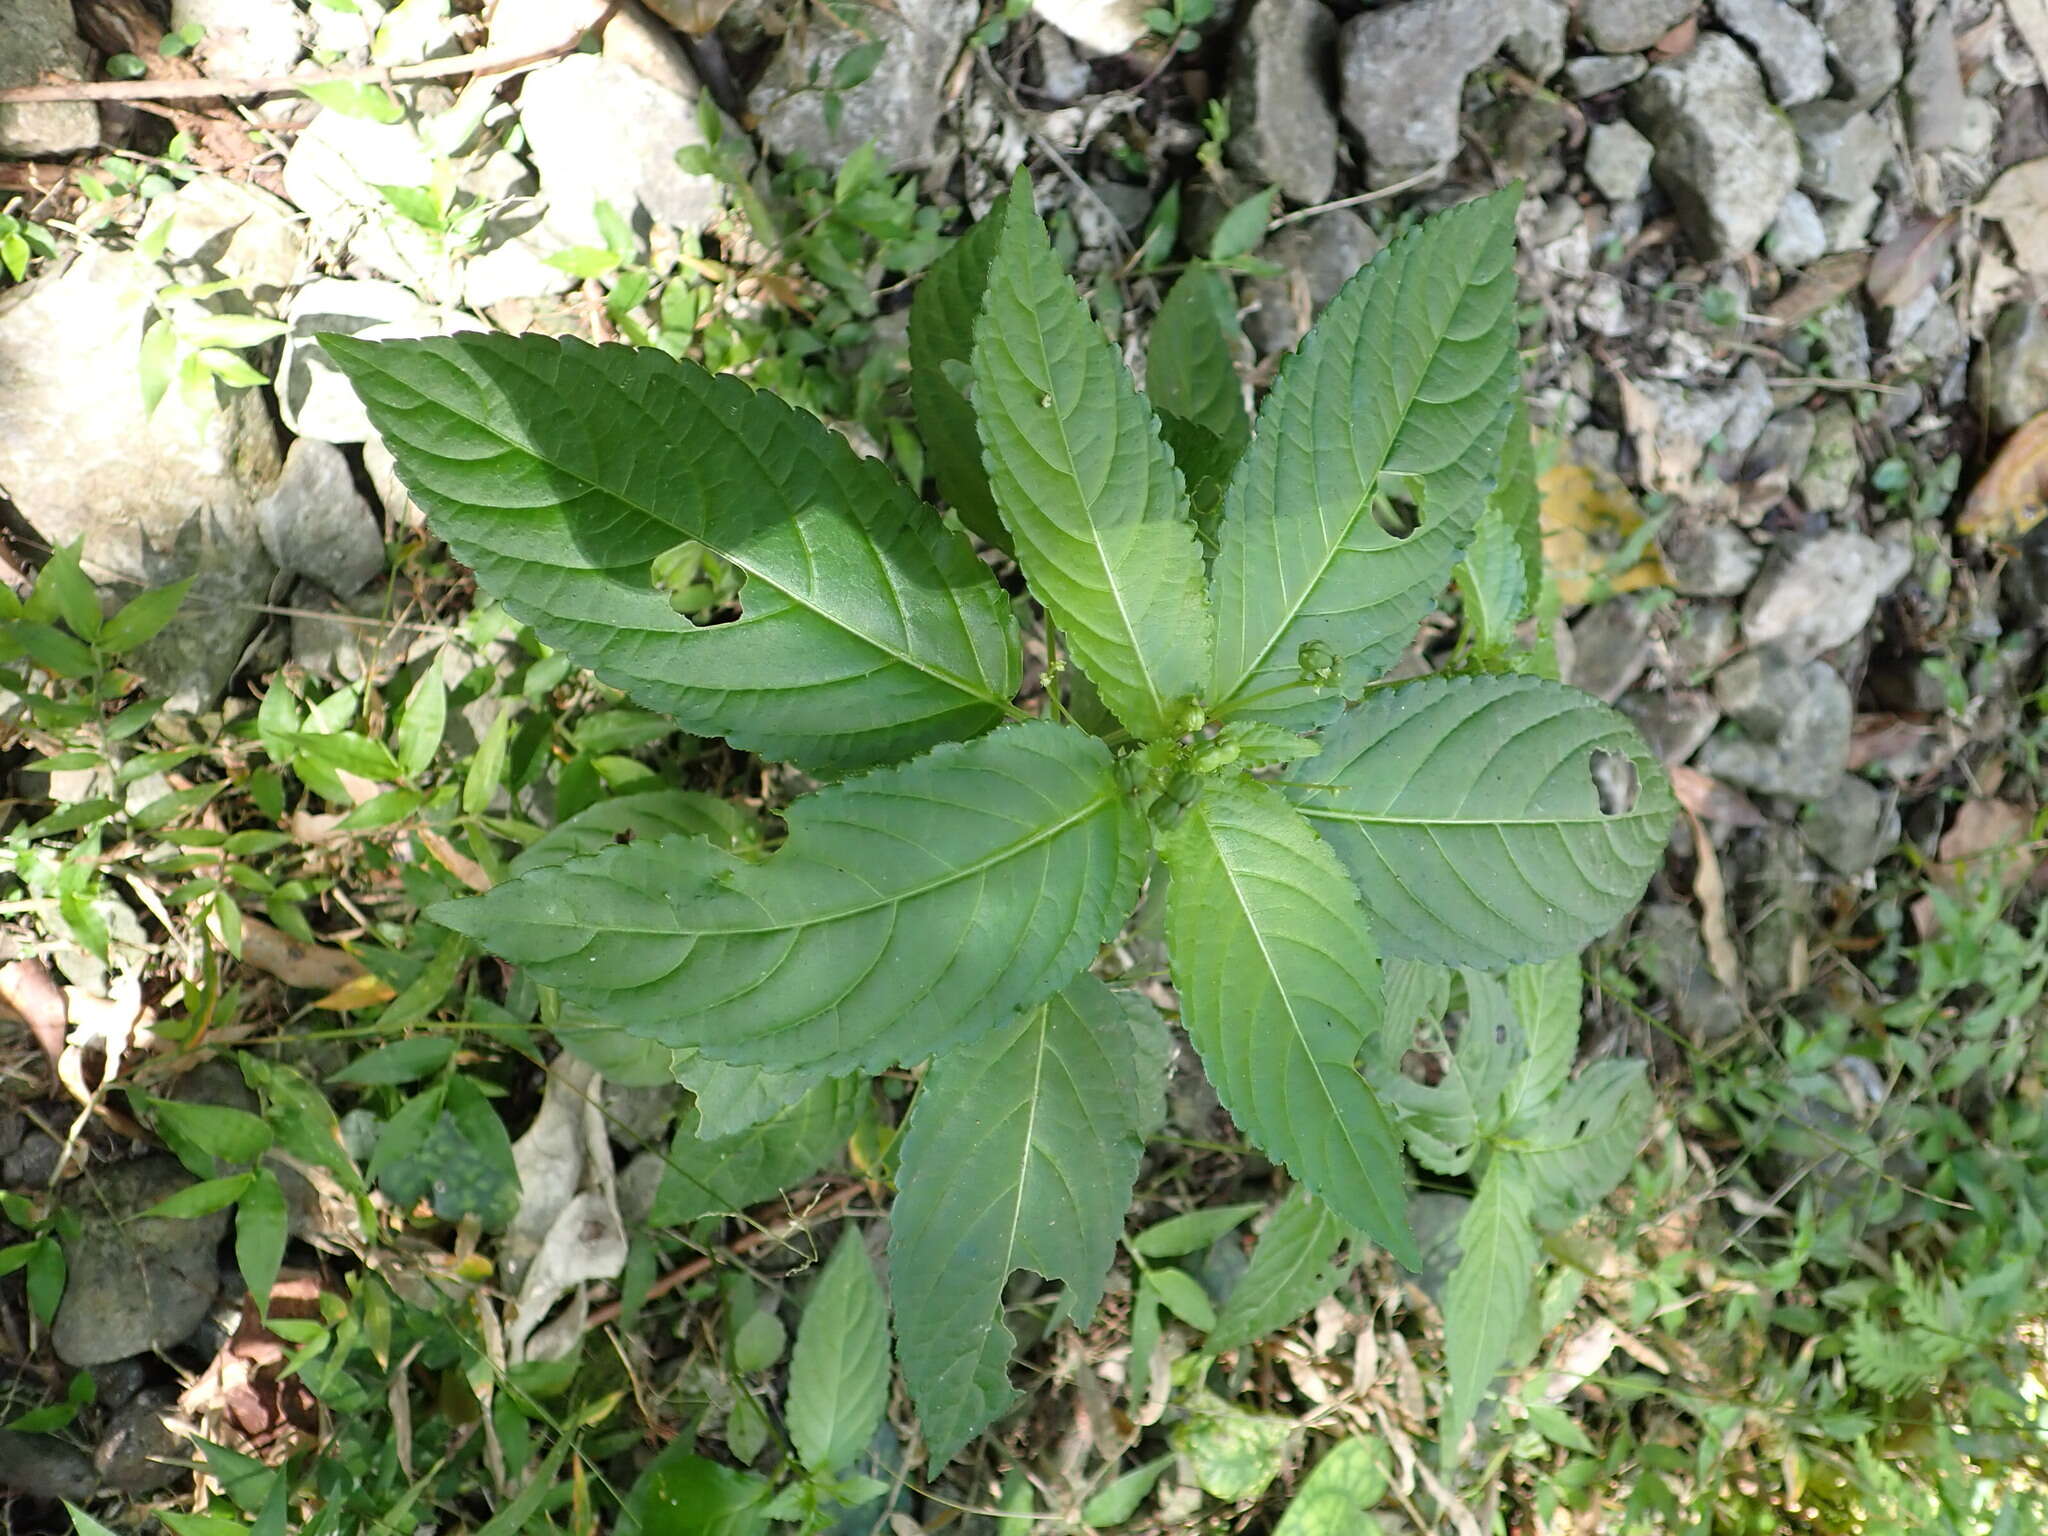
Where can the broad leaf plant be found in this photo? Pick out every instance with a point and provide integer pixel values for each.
(1220, 600)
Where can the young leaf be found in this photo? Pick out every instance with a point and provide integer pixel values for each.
(1488, 1293)
(1280, 988)
(707, 1176)
(1577, 1146)
(1086, 488)
(907, 909)
(142, 616)
(942, 315)
(1176, 1235)
(1191, 380)
(1468, 811)
(560, 471)
(839, 1373)
(1019, 1152)
(1295, 1265)
(1406, 382)
(1546, 1000)
(733, 1099)
(1502, 573)
(1183, 1296)
(261, 1227)
(1334, 1498)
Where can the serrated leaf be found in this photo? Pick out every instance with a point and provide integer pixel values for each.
(733, 1099)
(560, 471)
(1119, 1500)
(839, 1372)
(1468, 812)
(1334, 1498)
(907, 910)
(708, 1176)
(684, 1494)
(1408, 379)
(1487, 1296)
(1019, 1153)
(632, 818)
(1296, 1263)
(1191, 379)
(1280, 988)
(1085, 486)
(1546, 1001)
(1578, 1145)
(942, 315)
(1232, 1453)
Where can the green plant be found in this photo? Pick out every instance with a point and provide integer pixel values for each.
(944, 896)
(21, 241)
(1179, 20)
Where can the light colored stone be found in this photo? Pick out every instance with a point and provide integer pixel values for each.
(312, 396)
(332, 173)
(230, 229)
(1841, 150)
(1630, 26)
(1797, 235)
(1675, 722)
(1617, 161)
(1099, 26)
(1828, 479)
(1822, 592)
(1283, 128)
(1610, 647)
(1852, 827)
(316, 524)
(1788, 46)
(1595, 74)
(1936, 107)
(898, 106)
(1403, 70)
(1795, 723)
(1707, 557)
(1863, 46)
(2010, 379)
(39, 38)
(1723, 153)
(155, 498)
(245, 39)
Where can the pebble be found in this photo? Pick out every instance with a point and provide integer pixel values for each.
(1617, 161)
(315, 524)
(1820, 593)
(1630, 26)
(1283, 128)
(135, 1284)
(1797, 237)
(1788, 46)
(1726, 156)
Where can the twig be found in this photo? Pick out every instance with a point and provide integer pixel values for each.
(683, 1274)
(484, 61)
(1379, 194)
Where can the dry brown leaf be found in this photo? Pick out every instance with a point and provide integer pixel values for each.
(28, 991)
(1708, 798)
(1587, 518)
(365, 991)
(1877, 736)
(1819, 286)
(1711, 892)
(2030, 20)
(1984, 827)
(458, 864)
(2012, 495)
(312, 967)
(1905, 264)
(2019, 201)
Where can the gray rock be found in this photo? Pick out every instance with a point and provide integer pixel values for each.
(2010, 379)
(32, 1161)
(333, 171)
(1617, 161)
(230, 229)
(1795, 724)
(315, 524)
(1848, 224)
(1529, 130)
(1863, 46)
(1772, 878)
(1702, 640)
(1675, 722)
(1853, 827)
(245, 39)
(141, 1451)
(1724, 154)
(1318, 256)
(1610, 646)
(1099, 26)
(1667, 947)
(382, 468)
(899, 106)
(135, 1284)
(1535, 36)
(1797, 235)
(1595, 74)
(1751, 413)
(1629, 26)
(1063, 75)
(156, 497)
(313, 397)
(1782, 447)
(41, 39)
(1841, 150)
(44, 1467)
(1834, 465)
(1820, 593)
(1403, 72)
(342, 639)
(1790, 48)
(1936, 106)
(1283, 128)
(1707, 557)
(1844, 334)
(1688, 420)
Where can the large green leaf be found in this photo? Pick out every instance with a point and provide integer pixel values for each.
(559, 471)
(1406, 383)
(1279, 985)
(1487, 1296)
(839, 1372)
(1086, 487)
(908, 909)
(1019, 1152)
(942, 315)
(1295, 1265)
(1468, 812)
